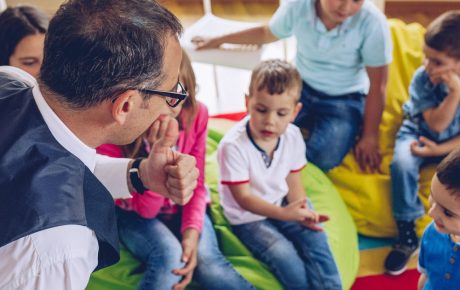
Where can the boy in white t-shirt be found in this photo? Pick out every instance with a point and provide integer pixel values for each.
(262, 194)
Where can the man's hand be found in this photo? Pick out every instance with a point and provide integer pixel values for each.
(168, 172)
(425, 148)
(189, 257)
(367, 154)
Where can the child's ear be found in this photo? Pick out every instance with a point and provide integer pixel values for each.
(122, 106)
(297, 109)
(246, 101)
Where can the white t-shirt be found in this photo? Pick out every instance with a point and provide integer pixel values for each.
(241, 160)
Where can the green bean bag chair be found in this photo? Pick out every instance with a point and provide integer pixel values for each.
(340, 229)
(368, 196)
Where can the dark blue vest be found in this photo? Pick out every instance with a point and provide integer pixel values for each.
(42, 185)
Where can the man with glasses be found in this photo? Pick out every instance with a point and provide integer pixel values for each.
(107, 70)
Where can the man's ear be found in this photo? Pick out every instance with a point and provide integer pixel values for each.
(297, 109)
(122, 106)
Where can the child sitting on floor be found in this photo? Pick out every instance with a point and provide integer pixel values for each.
(262, 194)
(429, 132)
(439, 252)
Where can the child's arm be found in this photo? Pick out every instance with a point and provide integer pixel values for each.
(297, 192)
(427, 148)
(366, 150)
(257, 35)
(440, 117)
(421, 281)
(295, 211)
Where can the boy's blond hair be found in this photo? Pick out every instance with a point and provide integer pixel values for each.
(276, 76)
(443, 34)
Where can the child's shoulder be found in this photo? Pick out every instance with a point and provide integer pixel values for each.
(236, 135)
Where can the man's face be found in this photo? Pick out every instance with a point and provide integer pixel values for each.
(444, 208)
(271, 114)
(143, 115)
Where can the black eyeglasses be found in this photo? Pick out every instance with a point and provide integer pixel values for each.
(173, 99)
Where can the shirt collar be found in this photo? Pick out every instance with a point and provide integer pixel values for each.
(313, 19)
(58, 129)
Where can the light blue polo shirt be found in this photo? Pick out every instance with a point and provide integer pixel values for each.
(334, 62)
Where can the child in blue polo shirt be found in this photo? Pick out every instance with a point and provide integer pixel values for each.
(430, 131)
(343, 49)
(439, 252)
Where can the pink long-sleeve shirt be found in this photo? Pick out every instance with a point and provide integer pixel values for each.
(150, 204)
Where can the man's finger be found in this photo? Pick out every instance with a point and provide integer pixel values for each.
(170, 134)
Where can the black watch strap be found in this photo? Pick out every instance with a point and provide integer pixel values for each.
(135, 176)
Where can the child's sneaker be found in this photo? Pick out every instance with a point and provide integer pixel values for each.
(397, 259)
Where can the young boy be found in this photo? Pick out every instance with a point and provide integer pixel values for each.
(343, 49)
(439, 253)
(429, 132)
(262, 194)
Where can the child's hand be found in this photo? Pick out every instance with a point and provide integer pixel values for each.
(205, 42)
(189, 257)
(425, 148)
(298, 211)
(447, 76)
(314, 225)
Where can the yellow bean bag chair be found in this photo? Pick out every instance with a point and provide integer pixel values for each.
(368, 196)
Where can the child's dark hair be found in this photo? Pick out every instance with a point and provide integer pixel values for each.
(443, 34)
(276, 76)
(448, 172)
(15, 24)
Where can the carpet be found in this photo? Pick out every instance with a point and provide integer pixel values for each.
(371, 274)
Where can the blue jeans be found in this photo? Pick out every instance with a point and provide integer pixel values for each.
(333, 124)
(300, 258)
(405, 173)
(159, 248)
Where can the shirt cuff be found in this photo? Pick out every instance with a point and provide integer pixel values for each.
(112, 173)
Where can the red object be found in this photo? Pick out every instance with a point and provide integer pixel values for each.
(406, 281)
(231, 116)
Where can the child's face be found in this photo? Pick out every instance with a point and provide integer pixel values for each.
(336, 11)
(444, 208)
(438, 62)
(271, 114)
(28, 54)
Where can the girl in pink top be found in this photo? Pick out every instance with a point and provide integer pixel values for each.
(175, 242)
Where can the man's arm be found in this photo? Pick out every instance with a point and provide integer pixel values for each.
(367, 149)
(257, 35)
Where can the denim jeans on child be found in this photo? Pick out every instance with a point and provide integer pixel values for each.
(405, 170)
(333, 124)
(155, 244)
(299, 257)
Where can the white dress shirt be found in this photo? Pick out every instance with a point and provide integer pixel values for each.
(61, 257)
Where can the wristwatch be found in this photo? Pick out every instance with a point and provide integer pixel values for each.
(135, 176)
